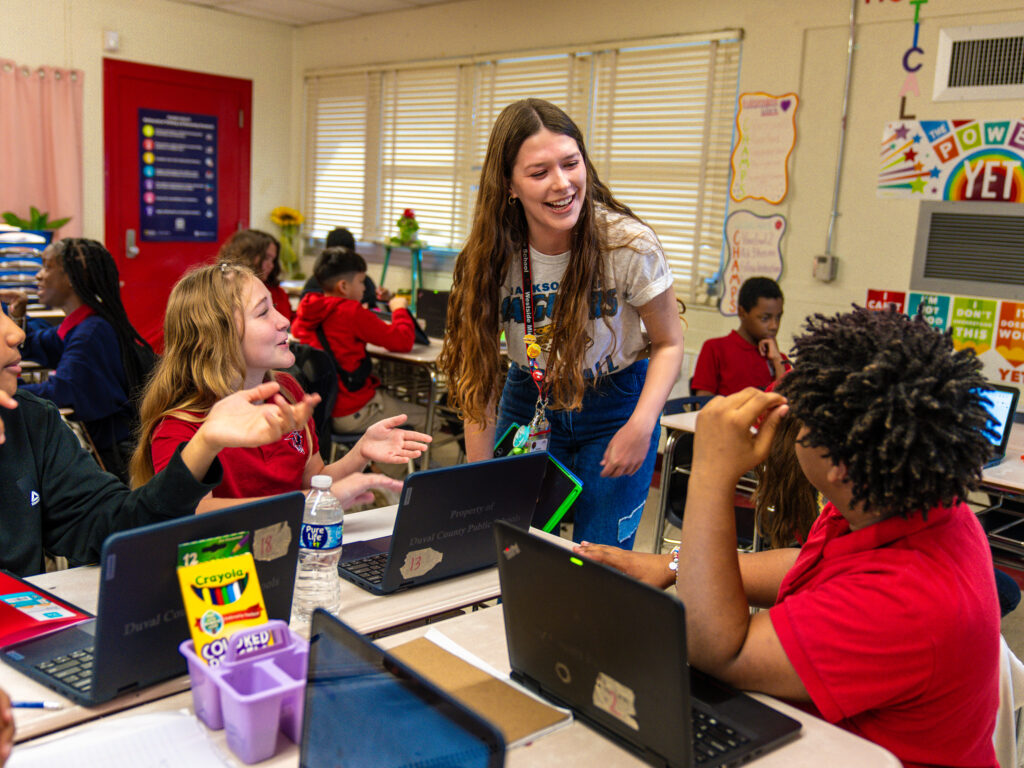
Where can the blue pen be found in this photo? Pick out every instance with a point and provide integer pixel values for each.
(37, 705)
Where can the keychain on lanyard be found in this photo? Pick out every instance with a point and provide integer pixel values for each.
(535, 436)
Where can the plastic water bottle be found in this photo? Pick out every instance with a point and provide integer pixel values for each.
(316, 582)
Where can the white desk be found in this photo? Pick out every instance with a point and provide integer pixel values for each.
(483, 633)
(367, 612)
(424, 357)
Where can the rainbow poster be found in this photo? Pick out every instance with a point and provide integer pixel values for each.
(953, 160)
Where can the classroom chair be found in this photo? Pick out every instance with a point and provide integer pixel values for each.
(315, 372)
(675, 468)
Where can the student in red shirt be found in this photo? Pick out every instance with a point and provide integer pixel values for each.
(337, 322)
(223, 334)
(886, 621)
(748, 356)
(255, 249)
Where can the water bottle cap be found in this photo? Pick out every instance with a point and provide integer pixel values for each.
(321, 482)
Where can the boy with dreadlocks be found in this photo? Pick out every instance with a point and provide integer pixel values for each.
(886, 621)
(100, 361)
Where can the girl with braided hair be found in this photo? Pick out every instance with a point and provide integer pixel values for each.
(100, 361)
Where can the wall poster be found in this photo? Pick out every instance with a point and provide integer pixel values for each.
(754, 251)
(952, 160)
(765, 136)
(177, 176)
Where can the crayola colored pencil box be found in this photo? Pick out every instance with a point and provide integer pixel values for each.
(221, 597)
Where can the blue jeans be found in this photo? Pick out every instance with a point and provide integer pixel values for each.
(608, 510)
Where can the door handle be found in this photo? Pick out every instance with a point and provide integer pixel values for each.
(131, 250)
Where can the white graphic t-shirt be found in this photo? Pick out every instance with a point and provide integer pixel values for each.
(635, 272)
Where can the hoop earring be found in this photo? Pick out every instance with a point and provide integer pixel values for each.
(512, 199)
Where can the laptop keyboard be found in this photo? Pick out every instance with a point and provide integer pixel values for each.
(74, 669)
(713, 738)
(370, 568)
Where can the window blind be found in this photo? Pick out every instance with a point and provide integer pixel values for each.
(657, 117)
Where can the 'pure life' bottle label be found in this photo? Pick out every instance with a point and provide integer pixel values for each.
(313, 536)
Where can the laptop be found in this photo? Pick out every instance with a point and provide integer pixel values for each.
(366, 709)
(1001, 403)
(140, 617)
(443, 524)
(571, 626)
(432, 311)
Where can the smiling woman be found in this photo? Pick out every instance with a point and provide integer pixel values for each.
(568, 273)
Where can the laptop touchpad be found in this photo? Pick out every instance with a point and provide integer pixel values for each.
(357, 550)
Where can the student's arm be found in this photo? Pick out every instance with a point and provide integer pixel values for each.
(87, 372)
(384, 441)
(761, 572)
(723, 639)
(480, 437)
(396, 336)
(769, 349)
(628, 447)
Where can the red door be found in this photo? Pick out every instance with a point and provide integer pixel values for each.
(176, 174)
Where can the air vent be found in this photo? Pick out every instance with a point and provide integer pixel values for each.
(977, 63)
(970, 249)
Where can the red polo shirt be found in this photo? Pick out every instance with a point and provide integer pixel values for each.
(263, 471)
(731, 363)
(894, 631)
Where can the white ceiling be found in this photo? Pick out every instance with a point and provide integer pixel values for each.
(302, 12)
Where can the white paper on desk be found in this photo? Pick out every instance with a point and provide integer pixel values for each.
(158, 740)
(440, 639)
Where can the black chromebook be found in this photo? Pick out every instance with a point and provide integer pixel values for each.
(613, 650)
(366, 709)
(140, 618)
(443, 524)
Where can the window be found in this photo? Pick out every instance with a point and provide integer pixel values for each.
(657, 115)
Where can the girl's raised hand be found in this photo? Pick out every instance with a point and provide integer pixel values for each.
(385, 442)
(255, 417)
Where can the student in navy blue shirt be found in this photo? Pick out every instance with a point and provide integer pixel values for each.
(100, 361)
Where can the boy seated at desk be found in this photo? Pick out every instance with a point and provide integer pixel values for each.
(54, 497)
(886, 621)
(339, 237)
(336, 322)
(748, 356)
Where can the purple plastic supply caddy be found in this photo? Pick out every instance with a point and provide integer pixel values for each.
(250, 692)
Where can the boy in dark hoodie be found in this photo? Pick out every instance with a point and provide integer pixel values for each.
(336, 322)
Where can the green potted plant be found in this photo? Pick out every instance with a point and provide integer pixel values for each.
(37, 222)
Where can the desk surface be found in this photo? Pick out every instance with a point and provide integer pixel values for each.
(420, 354)
(367, 612)
(483, 634)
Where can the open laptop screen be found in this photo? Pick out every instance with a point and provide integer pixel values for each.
(364, 708)
(1001, 403)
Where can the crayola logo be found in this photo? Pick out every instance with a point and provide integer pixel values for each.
(205, 579)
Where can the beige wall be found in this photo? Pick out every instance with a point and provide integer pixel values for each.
(789, 45)
(69, 33)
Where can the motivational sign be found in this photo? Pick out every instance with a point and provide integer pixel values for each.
(766, 134)
(754, 251)
(993, 329)
(953, 160)
(177, 176)
(882, 300)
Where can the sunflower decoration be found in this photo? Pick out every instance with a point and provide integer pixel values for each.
(288, 221)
